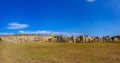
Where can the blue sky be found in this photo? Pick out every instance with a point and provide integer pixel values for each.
(72, 17)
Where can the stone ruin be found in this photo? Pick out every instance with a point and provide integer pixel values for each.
(20, 39)
(59, 38)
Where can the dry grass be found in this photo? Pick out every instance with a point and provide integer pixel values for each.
(37, 52)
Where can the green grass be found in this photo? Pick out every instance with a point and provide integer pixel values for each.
(38, 52)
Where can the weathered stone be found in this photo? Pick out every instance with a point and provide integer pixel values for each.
(19, 39)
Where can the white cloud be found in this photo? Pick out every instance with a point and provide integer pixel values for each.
(36, 32)
(90, 0)
(5, 33)
(48, 33)
(15, 25)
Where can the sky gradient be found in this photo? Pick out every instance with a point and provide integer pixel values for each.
(72, 17)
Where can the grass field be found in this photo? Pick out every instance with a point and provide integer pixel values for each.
(37, 52)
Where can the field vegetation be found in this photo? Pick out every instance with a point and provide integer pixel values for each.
(39, 52)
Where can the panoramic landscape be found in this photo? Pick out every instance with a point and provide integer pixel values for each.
(59, 31)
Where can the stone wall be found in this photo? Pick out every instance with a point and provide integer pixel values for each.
(19, 39)
(85, 38)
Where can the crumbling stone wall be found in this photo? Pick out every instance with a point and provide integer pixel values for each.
(19, 39)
